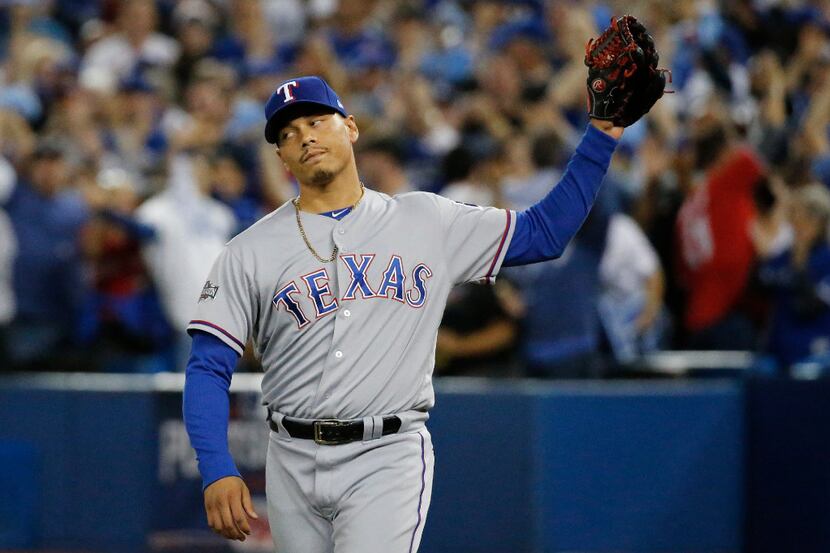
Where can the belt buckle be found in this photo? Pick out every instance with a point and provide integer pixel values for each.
(319, 425)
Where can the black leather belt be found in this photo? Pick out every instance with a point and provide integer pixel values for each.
(332, 431)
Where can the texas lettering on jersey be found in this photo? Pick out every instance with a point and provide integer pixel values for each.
(392, 285)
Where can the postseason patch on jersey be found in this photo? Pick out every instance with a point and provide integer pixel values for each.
(209, 291)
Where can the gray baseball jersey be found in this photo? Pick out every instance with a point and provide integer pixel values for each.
(351, 338)
(354, 337)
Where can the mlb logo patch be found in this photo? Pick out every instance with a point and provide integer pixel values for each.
(208, 292)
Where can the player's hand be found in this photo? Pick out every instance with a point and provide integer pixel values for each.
(608, 128)
(228, 506)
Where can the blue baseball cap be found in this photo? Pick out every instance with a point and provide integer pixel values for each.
(300, 91)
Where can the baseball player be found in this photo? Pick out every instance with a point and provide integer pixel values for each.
(341, 292)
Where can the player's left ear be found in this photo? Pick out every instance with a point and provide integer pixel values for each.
(279, 156)
(351, 126)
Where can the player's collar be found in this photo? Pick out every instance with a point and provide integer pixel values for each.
(337, 214)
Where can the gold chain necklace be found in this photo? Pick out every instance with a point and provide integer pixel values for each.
(296, 202)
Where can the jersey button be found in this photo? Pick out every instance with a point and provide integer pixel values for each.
(347, 313)
(341, 231)
(338, 354)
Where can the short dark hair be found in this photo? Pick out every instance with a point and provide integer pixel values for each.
(457, 165)
(233, 153)
(391, 146)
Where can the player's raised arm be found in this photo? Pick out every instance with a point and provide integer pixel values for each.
(623, 84)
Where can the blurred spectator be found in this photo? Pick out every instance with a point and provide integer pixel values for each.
(560, 331)
(769, 131)
(35, 19)
(521, 192)
(34, 76)
(478, 332)
(190, 230)
(565, 345)
(208, 109)
(195, 23)
(716, 253)
(135, 138)
(381, 168)
(633, 283)
(47, 215)
(442, 57)
(75, 120)
(356, 43)
(799, 279)
(229, 185)
(524, 41)
(136, 41)
(17, 141)
(124, 314)
(655, 208)
(287, 19)
(249, 37)
(8, 252)
(474, 170)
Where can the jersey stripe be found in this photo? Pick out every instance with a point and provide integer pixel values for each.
(220, 329)
(501, 246)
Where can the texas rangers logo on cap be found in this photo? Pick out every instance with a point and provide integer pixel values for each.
(311, 90)
(285, 90)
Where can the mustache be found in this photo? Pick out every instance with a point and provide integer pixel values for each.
(312, 151)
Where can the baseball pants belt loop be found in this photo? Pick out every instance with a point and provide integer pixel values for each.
(372, 428)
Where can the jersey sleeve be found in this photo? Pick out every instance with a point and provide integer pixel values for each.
(474, 239)
(225, 307)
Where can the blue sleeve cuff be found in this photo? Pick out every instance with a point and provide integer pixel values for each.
(216, 469)
(597, 146)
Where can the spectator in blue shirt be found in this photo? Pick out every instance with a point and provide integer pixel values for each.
(47, 216)
(799, 279)
(561, 332)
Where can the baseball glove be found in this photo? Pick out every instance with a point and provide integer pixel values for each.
(623, 78)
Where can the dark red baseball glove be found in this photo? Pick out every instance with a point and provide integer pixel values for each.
(623, 78)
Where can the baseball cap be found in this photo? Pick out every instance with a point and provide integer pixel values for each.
(300, 91)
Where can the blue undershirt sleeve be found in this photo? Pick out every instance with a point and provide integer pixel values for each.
(544, 229)
(206, 404)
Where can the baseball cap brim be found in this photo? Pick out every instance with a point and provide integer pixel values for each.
(297, 109)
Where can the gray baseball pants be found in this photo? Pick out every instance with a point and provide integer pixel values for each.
(363, 497)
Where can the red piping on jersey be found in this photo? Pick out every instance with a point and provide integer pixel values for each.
(220, 329)
(501, 245)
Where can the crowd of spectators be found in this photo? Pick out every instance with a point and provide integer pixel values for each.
(131, 150)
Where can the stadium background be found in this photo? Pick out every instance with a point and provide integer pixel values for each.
(672, 399)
